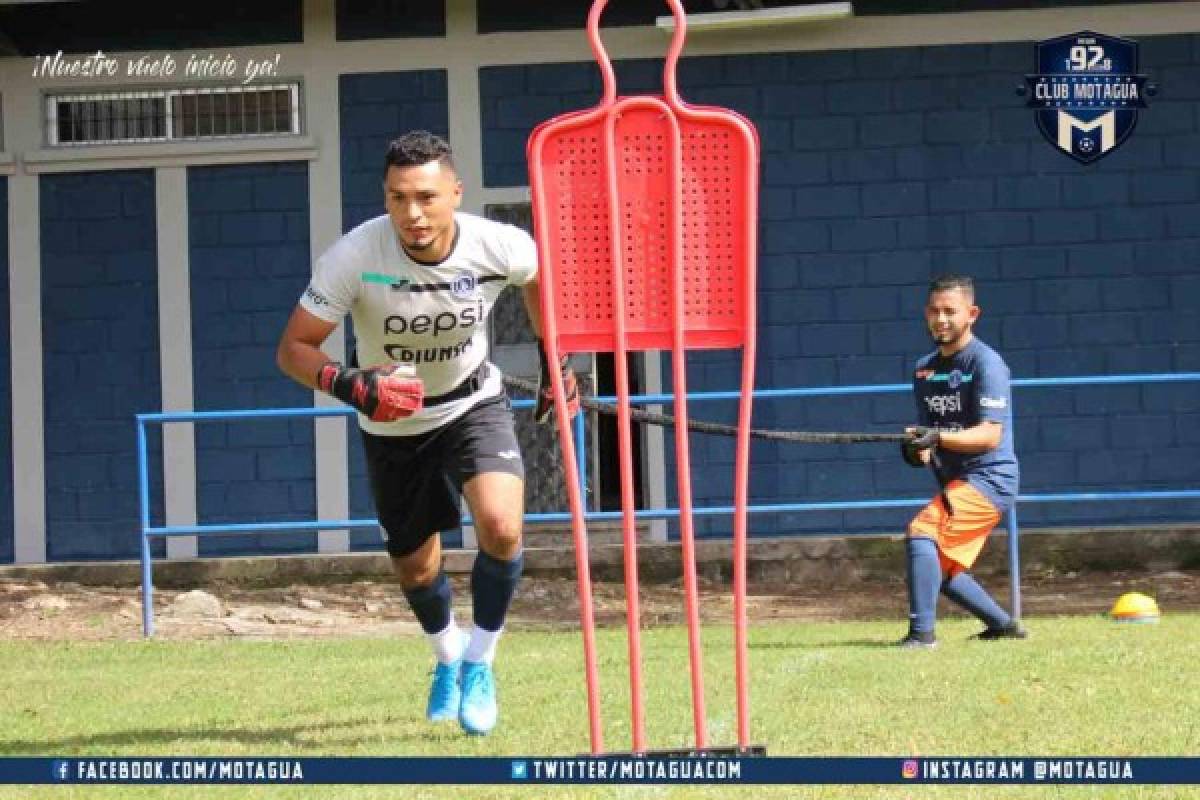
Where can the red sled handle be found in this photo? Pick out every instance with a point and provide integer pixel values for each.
(670, 90)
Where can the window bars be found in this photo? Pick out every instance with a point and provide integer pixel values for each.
(175, 114)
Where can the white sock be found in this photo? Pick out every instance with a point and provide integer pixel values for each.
(448, 644)
(482, 646)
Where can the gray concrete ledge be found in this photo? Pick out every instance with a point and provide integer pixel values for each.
(236, 150)
(811, 559)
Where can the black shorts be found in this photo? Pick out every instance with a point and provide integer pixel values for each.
(416, 481)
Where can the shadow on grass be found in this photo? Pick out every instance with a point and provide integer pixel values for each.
(298, 737)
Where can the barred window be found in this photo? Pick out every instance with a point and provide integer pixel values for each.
(173, 114)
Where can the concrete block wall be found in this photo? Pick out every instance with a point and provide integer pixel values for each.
(514, 99)
(39, 28)
(534, 15)
(884, 167)
(100, 357)
(249, 257)
(389, 19)
(6, 453)
(376, 108)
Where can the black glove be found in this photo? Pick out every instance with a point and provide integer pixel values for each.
(385, 393)
(924, 438)
(911, 455)
(545, 395)
(919, 439)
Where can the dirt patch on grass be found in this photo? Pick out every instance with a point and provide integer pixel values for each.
(72, 612)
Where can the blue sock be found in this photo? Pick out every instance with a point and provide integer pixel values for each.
(493, 584)
(431, 603)
(966, 591)
(924, 578)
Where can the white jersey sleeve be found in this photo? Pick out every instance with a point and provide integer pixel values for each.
(521, 253)
(334, 286)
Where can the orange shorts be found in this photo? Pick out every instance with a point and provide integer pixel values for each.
(959, 536)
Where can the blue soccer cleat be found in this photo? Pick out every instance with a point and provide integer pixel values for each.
(478, 711)
(445, 695)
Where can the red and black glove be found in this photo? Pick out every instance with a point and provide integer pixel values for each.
(385, 393)
(545, 395)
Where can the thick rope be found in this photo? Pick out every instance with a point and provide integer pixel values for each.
(642, 415)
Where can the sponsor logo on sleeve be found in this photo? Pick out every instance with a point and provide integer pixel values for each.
(993, 402)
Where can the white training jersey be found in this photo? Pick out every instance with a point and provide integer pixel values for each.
(431, 316)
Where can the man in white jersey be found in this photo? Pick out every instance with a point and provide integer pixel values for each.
(419, 283)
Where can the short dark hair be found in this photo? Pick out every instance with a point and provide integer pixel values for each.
(416, 148)
(949, 281)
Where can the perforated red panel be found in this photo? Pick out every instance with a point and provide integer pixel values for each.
(716, 155)
(577, 198)
(715, 221)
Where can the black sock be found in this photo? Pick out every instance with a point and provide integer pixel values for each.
(431, 603)
(966, 591)
(924, 577)
(493, 584)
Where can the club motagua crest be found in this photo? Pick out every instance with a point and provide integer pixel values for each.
(1086, 93)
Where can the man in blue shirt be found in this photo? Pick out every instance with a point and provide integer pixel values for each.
(964, 409)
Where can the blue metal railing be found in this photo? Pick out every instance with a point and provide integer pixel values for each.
(167, 531)
(148, 531)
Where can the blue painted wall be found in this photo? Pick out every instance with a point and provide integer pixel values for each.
(885, 167)
(534, 15)
(538, 15)
(101, 359)
(374, 109)
(388, 19)
(41, 28)
(249, 255)
(6, 496)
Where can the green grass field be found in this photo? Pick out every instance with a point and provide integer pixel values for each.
(1080, 686)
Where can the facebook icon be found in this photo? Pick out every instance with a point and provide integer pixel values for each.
(61, 770)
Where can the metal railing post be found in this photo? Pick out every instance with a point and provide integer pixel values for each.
(1014, 563)
(144, 502)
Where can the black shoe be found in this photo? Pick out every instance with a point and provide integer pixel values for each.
(918, 641)
(1013, 631)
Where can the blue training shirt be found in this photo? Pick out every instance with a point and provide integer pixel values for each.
(961, 391)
